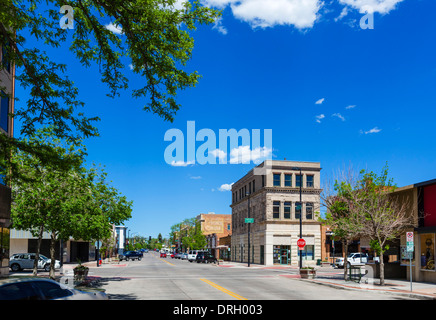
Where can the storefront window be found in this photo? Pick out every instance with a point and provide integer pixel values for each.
(307, 252)
(427, 251)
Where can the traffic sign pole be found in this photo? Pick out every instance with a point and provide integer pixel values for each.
(410, 249)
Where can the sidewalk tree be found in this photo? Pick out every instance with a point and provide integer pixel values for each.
(368, 207)
(72, 202)
(341, 216)
(384, 214)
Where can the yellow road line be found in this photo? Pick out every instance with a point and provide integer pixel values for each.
(234, 295)
(165, 261)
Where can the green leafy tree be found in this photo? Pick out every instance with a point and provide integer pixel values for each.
(155, 38)
(73, 202)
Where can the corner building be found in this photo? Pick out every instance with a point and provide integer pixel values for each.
(270, 194)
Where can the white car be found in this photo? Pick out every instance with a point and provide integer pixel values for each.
(43, 289)
(353, 259)
(184, 256)
(20, 261)
(192, 255)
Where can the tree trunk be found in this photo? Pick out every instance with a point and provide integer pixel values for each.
(345, 259)
(52, 255)
(382, 271)
(38, 249)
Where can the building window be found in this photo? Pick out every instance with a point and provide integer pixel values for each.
(427, 251)
(263, 181)
(298, 179)
(309, 210)
(288, 180)
(277, 181)
(254, 189)
(5, 59)
(287, 210)
(276, 209)
(309, 181)
(297, 210)
(4, 111)
(307, 252)
(228, 226)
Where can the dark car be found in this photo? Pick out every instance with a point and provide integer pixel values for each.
(43, 289)
(205, 257)
(131, 255)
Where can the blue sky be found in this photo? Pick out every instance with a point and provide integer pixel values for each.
(265, 65)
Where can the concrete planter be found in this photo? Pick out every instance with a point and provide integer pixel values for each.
(80, 274)
(307, 273)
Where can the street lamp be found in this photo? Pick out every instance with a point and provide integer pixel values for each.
(248, 216)
(301, 215)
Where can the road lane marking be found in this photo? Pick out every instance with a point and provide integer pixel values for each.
(165, 261)
(234, 295)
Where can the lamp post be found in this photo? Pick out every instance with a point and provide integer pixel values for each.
(248, 216)
(301, 215)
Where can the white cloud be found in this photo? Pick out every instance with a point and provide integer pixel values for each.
(195, 177)
(350, 107)
(319, 118)
(380, 6)
(218, 25)
(344, 12)
(217, 153)
(225, 187)
(243, 154)
(338, 115)
(373, 130)
(182, 163)
(261, 13)
(114, 28)
(320, 101)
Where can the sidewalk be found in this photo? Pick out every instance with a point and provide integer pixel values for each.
(330, 276)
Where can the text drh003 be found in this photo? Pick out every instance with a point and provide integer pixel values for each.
(208, 152)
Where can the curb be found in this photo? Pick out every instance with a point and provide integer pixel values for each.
(415, 295)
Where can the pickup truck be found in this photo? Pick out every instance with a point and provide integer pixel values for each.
(132, 255)
(353, 259)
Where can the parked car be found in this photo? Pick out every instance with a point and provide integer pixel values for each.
(184, 256)
(192, 255)
(353, 259)
(130, 255)
(43, 289)
(172, 255)
(20, 261)
(205, 257)
(163, 255)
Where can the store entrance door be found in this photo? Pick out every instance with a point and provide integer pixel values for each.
(284, 256)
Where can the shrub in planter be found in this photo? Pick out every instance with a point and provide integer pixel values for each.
(80, 272)
(307, 273)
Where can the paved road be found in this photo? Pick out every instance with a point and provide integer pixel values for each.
(154, 278)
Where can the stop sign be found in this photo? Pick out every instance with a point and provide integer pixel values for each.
(301, 243)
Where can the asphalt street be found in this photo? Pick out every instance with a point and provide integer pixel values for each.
(155, 278)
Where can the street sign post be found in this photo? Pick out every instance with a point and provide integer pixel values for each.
(409, 249)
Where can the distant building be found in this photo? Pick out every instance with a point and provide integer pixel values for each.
(216, 227)
(272, 192)
(7, 81)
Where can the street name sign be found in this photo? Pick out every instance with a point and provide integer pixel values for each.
(249, 220)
